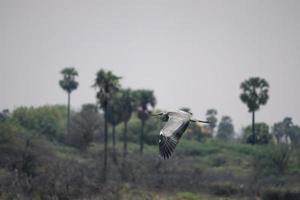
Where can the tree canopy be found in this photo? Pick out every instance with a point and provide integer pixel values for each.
(254, 93)
(68, 83)
(225, 128)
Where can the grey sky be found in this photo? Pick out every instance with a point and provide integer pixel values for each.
(191, 53)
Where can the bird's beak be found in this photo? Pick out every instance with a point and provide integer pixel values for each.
(156, 114)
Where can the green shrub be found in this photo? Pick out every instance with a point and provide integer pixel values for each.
(272, 160)
(280, 194)
(261, 132)
(46, 120)
(194, 148)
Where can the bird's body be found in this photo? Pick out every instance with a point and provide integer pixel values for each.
(176, 124)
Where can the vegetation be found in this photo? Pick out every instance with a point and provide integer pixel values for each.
(263, 135)
(211, 117)
(254, 94)
(68, 83)
(225, 128)
(107, 85)
(85, 126)
(127, 107)
(144, 99)
(39, 159)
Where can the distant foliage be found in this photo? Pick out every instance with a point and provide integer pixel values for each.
(262, 134)
(145, 101)
(286, 132)
(272, 160)
(31, 169)
(211, 116)
(45, 120)
(4, 115)
(68, 83)
(152, 128)
(225, 128)
(195, 132)
(85, 125)
(115, 110)
(295, 136)
(255, 92)
(279, 193)
(107, 85)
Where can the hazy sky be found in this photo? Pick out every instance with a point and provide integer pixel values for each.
(191, 53)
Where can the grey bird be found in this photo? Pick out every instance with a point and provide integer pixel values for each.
(176, 123)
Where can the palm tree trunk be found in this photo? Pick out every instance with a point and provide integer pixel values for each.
(142, 137)
(125, 141)
(253, 127)
(68, 120)
(123, 171)
(114, 138)
(105, 144)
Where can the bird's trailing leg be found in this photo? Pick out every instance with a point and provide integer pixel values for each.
(196, 120)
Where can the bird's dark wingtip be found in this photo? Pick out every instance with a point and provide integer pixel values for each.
(166, 146)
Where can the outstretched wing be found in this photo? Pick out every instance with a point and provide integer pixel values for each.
(172, 132)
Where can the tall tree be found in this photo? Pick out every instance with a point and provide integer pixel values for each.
(107, 85)
(127, 105)
(225, 128)
(254, 94)
(211, 117)
(145, 99)
(114, 112)
(68, 83)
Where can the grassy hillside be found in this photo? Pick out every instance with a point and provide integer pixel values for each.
(211, 170)
(36, 162)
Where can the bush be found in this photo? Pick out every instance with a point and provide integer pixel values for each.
(272, 160)
(280, 194)
(46, 120)
(261, 132)
(84, 126)
(194, 148)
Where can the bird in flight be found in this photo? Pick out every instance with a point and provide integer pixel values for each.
(176, 123)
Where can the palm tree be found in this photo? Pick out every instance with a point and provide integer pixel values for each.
(255, 93)
(145, 98)
(107, 84)
(68, 83)
(127, 105)
(114, 112)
